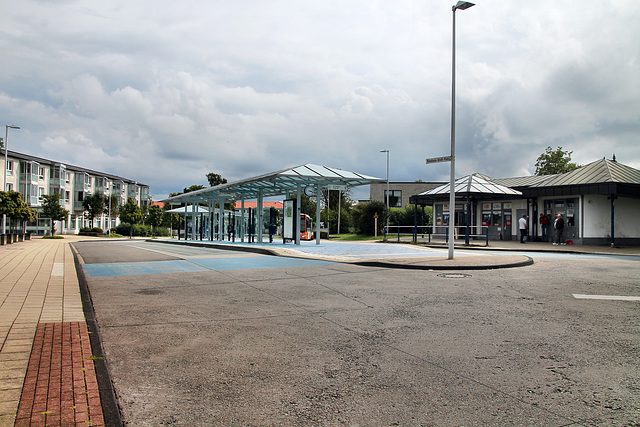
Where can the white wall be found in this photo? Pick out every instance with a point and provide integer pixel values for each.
(597, 217)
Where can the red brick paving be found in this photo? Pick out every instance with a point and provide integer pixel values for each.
(60, 387)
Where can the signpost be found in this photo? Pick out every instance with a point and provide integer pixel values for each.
(336, 187)
(439, 159)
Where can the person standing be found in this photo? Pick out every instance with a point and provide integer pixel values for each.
(544, 223)
(558, 225)
(522, 224)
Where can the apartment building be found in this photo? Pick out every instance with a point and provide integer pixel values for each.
(34, 177)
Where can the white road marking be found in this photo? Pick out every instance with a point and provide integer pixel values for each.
(607, 297)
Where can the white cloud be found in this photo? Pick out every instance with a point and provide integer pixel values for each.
(164, 92)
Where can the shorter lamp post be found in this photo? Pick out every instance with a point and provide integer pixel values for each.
(388, 213)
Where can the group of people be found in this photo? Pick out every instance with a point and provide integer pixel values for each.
(545, 223)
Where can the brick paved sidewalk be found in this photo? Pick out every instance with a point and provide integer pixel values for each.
(46, 367)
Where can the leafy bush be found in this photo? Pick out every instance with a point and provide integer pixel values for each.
(162, 232)
(97, 230)
(138, 230)
(363, 220)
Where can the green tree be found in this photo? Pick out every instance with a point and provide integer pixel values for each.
(12, 205)
(95, 205)
(555, 161)
(215, 179)
(195, 187)
(51, 208)
(363, 217)
(155, 217)
(131, 214)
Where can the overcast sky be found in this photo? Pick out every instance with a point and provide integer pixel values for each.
(164, 92)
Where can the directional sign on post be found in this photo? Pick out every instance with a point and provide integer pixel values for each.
(439, 159)
(336, 187)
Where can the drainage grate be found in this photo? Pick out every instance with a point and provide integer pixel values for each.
(454, 275)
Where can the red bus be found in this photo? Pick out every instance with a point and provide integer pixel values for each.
(306, 227)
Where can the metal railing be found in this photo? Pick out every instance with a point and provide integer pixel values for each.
(430, 232)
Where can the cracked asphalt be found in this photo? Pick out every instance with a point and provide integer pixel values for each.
(330, 344)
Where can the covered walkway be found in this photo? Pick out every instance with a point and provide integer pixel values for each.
(309, 178)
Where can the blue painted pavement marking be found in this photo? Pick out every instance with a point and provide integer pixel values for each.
(257, 262)
(196, 265)
(136, 268)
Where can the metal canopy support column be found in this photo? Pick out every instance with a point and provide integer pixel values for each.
(194, 223)
(298, 212)
(242, 224)
(259, 216)
(220, 219)
(221, 210)
(212, 205)
(186, 210)
(318, 199)
(613, 228)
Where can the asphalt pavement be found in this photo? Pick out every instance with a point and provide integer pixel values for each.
(321, 339)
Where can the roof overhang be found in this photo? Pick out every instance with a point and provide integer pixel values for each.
(283, 182)
(473, 187)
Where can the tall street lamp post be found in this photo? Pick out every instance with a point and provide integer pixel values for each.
(6, 148)
(388, 213)
(462, 5)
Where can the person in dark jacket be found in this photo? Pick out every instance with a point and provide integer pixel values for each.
(558, 225)
(544, 223)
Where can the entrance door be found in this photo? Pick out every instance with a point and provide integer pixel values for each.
(569, 210)
(507, 235)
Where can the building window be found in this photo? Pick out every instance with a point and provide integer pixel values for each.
(41, 174)
(9, 186)
(10, 167)
(395, 198)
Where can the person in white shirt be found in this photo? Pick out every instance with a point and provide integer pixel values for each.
(522, 224)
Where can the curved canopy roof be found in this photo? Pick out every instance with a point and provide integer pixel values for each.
(283, 182)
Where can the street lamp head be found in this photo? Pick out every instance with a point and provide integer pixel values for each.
(13, 127)
(384, 151)
(462, 5)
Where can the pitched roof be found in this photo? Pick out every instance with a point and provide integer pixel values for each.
(600, 171)
(474, 184)
(523, 181)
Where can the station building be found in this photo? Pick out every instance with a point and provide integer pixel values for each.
(34, 177)
(599, 202)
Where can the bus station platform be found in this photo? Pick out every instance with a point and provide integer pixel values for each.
(373, 254)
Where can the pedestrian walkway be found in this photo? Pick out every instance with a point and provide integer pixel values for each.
(46, 366)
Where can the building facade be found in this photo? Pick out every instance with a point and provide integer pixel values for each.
(399, 192)
(598, 202)
(34, 177)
